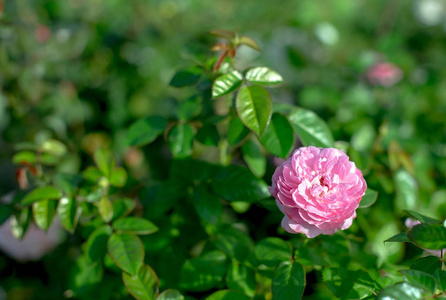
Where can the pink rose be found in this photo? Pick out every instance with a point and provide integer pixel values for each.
(318, 190)
(384, 74)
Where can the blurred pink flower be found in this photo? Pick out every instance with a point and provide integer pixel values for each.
(384, 74)
(318, 190)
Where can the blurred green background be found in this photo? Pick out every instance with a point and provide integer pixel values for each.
(81, 71)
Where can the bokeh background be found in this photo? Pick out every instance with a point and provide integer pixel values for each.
(81, 71)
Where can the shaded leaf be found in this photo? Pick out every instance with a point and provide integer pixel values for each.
(236, 183)
(288, 281)
(226, 34)
(254, 107)
(399, 238)
(118, 177)
(228, 295)
(278, 138)
(181, 139)
(127, 251)
(263, 76)
(241, 278)
(96, 245)
(422, 218)
(170, 295)
(273, 251)
(189, 108)
(122, 207)
(311, 129)
(67, 183)
(143, 285)
(237, 131)
(208, 135)
(226, 84)
(186, 77)
(92, 174)
(254, 158)
(347, 284)
(145, 131)
(234, 242)
(207, 205)
(428, 264)
(20, 222)
(428, 236)
(105, 208)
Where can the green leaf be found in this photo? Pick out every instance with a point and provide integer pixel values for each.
(420, 279)
(400, 291)
(143, 285)
(68, 213)
(39, 194)
(85, 275)
(228, 295)
(422, 218)
(5, 212)
(44, 212)
(127, 251)
(105, 161)
(347, 284)
(311, 129)
(254, 158)
(24, 157)
(170, 295)
(67, 183)
(237, 131)
(20, 222)
(399, 238)
(186, 77)
(208, 135)
(226, 34)
(92, 174)
(145, 131)
(207, 205)
(429, 236)
(53, 147)
(135, 225)
(406, 190)
(189, 108)
(288, 281)
(236, 183)
(122, 207)
(369, 198)
(234, 242)
(241, 278)
(105, 208)
(96, 245)
(181, 140)
(118, 177)
(273, 251)
(204, 272)
(428, 264)
(263, 76)
(278, 138)
(226, 84)
(246, 40)
(254, 107)
(441, 279)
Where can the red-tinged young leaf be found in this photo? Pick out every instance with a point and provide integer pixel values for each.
(143, 285)
(254, 107)
(246, 40)
(127, 251)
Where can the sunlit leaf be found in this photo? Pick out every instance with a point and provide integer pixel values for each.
(170, 295)
(311, 129)
(143, 285)
(226, 84)
(105, 161)
(246, 40)
(53, 147)
(20, 222)
(369, 198)
(44, 212)
(39, 194)
(263, 76)
(254, 107)
(400, 291)
(134, 225)
(68, 213)
(420, 279)
(406, 189)
(105, 208)
(118, 177)
(24, 157)
(127, 251)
